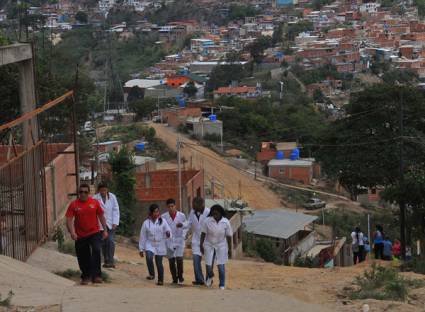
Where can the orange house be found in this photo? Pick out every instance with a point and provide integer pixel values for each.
(176, 81)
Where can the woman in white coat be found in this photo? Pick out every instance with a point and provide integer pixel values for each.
(176, 220)
(216, 239)
(153, 236)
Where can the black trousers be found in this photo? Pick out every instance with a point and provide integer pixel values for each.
(359, 255)
(88, 251)
(176, 268)
(379, 251)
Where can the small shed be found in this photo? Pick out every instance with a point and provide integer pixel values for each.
(288, 231)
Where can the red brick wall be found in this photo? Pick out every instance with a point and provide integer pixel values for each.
(298, 174)
(62, 185)
(164, 185)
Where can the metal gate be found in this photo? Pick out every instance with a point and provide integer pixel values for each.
(23, 207)
(22, 203)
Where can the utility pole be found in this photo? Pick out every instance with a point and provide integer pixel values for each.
(255, 169)
(402, 203)
(179, 171)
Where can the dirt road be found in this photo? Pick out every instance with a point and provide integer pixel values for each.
(234, 183)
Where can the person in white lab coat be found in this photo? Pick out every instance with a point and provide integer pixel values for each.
(216, 241)
(175, 246)
(153, 237)
(196, 217)
(109, 203)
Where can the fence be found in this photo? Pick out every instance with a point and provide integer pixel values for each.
(24, 217)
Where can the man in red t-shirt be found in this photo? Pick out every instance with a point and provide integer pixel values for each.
(82, 220)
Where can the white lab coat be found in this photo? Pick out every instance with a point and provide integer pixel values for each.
(153, 237)
(111, 209)
(215, 239)
(175, 245)
(195, 226)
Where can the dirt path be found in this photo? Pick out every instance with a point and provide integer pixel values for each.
(235, 183)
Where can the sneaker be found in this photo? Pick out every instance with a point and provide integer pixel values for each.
(84, 282)
(181, 281)
(150, 278)
(222, 288)
(175, 282)
(160, 283)
(97, 280)
(209, 282)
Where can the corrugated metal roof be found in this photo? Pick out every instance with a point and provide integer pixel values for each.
(278, 223)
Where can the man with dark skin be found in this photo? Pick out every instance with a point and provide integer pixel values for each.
(82, 220)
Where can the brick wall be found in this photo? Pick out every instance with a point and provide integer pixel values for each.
(298, 174)
(59, 185)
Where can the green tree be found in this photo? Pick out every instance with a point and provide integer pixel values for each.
(402, 76)
(318, 96)
(123, 186)
(143, 108)
(81, 17)
(363, 148)
(256, 49)
(223, 75)
(190, 89)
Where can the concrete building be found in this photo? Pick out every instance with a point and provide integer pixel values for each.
(288, 231)
(244, 92)
(201, 127)
(176, 116)
(108, 146)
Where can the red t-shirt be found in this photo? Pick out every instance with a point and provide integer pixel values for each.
(85, 216)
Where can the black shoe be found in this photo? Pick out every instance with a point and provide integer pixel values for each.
(195, 283)
(150, 278)
(160, 283)
(175, 281)
(181, 281)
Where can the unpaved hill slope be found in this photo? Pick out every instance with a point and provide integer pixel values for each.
(255, 193)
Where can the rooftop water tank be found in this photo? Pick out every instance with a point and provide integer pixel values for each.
(181, 102)
(213, 117)
(140, 147)
(280, 155)
(295, 155)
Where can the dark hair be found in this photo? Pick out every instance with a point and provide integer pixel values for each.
(152, 208)
(84, 185)
(379, 228)
(3, 214)
(102, 185)
(357, 229)
(171, 201)
(219, 209)
(198, 201)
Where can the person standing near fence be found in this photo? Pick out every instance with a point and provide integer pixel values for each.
(196, 217)
(153, 236)
(175, 245)
(216, 241)
(357, 245)
(109, 203)
(82, 220)
(378, 242)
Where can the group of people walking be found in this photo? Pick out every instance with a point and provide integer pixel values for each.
(92, 221)
(165, 235)
(383, 248)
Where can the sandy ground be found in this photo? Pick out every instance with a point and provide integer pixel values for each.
(216, 168)
(250, 286)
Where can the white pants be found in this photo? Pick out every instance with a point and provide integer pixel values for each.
(221, 253)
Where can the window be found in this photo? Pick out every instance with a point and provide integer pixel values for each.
(282, 170)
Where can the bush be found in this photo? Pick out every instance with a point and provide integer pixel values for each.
(383, 284)
(305, 262)
(266, 250)
(6, 301)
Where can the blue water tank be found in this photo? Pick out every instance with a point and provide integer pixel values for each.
(280, 155)
(213, 117)
(140, 147)
(295, 155)
(181, 102)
